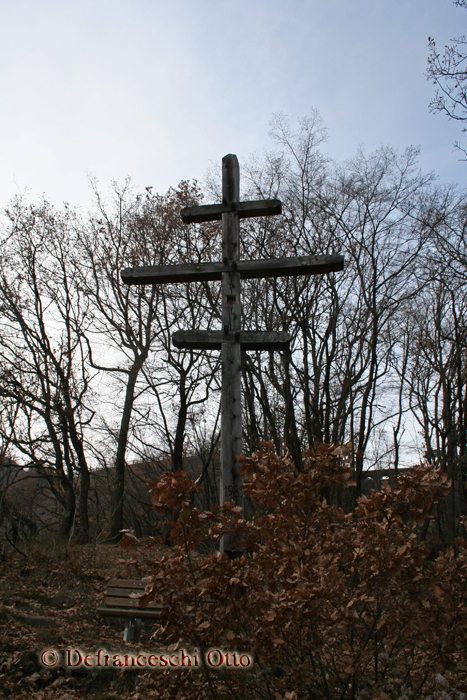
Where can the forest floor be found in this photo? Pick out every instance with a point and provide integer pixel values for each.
(48, 601)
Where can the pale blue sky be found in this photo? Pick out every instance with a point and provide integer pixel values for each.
(158, 89)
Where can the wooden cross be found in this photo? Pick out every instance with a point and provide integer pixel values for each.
(231, 339)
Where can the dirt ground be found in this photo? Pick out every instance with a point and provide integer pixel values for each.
(48, 601)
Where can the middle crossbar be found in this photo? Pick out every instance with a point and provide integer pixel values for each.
(248, 269)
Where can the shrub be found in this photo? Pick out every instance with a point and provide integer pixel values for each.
(328, 604)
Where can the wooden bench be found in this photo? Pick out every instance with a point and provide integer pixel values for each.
(117, 603)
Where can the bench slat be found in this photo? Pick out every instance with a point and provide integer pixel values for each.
(128, 583)
(115, 602)
(123, 592)
(133, 614)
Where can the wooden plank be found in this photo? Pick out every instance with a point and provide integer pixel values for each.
(306, 265)
(128, 582)
(167, 274)
(248, 269)
(245, 210)
(122, 592)
(212, 340)
(115, 602)
(121, 612)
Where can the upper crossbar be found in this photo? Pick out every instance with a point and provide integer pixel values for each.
(213, 212)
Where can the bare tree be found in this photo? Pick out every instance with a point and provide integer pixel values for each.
(338, 382)
(437, 383)
(46, 378)
(132, 325)
(448, 73)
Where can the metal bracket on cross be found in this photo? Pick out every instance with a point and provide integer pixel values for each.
(231, 340)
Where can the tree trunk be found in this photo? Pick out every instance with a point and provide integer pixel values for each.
(70, 505)
(290, 425)
(116, 524)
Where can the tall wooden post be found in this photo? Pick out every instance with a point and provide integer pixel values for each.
(231, 401)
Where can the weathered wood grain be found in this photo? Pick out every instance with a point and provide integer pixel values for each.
(248, 269)
(231, 390)
(213, 212)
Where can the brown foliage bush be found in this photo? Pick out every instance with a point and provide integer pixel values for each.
(328, 604)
